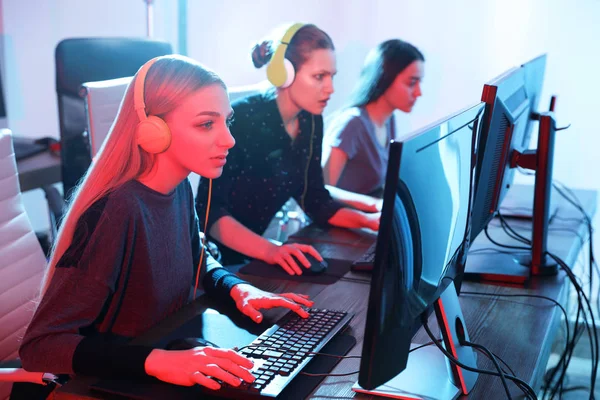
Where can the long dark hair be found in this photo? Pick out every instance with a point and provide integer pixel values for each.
(381, 67)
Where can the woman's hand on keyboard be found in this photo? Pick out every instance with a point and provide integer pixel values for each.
(250, 299)
(194, 366)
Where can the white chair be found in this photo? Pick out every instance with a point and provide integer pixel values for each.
(22, 264)
(238, 92)
(102, 100)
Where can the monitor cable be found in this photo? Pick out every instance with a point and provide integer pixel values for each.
(584, 307)
(521, 384)
(583, 303)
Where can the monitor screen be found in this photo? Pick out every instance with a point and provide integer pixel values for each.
(424, 226)
(534, 78)
(507, 111)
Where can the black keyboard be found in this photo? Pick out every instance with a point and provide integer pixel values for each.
(281, 352)
(366, 261)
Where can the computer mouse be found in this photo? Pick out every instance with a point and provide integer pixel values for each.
(316, 267)
(188, 343)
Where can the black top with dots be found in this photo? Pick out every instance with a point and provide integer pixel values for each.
(265, 168)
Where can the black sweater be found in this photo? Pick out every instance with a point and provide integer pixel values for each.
(265, 168)
(132, 262)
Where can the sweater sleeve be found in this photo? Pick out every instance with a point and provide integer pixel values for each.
(81, 286)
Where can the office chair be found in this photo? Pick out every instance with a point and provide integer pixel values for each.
(21, 271)
(82, 60)
(102, 100)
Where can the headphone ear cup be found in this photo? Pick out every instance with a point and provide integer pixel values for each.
(276, 71)
(153, 135)
(290, 73)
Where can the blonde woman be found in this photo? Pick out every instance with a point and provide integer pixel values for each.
(127, 252)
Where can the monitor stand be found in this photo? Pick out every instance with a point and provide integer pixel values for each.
(429, 374)
(536, 263)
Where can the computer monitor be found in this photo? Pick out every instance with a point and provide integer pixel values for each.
(534, 79)
(511, 102)
(423, 233)
(3, 122)
(507, 109)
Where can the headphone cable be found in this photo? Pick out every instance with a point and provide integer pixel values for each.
(202, 240)
(310, 153)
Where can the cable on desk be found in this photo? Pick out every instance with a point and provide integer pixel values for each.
(565, 359)
(573, 200)
(522, 384)
(562, 359)
(505, 364)
(583, 301)
(592, 333)
(356, 372)
(487, 250)
(487, 234)
(494, 361)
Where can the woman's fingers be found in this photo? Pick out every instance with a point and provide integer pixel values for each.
(234, 369)
(291, 262)
(300, 299)
(202, 380)
(310, 250)
(272, 302)
(229, 355)
(284, 264)
(215, 371)
(300, 256)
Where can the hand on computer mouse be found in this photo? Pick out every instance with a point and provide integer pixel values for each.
(316, 267)
(249, 299)
(195, 366)
(282, 256)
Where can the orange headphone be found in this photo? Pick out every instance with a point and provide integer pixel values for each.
(152, 132)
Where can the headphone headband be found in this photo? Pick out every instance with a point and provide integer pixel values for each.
(289, 34)
(138, 90)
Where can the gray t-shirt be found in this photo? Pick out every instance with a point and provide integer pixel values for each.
(353, 132)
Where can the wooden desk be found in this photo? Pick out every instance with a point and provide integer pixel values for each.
(38, 171)
(519, 330)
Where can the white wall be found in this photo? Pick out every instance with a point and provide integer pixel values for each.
(465, 42)
(30, 31)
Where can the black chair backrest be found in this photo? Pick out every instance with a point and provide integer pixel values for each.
(81, 60)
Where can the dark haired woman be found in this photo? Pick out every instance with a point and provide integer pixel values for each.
(356, 143)
(278, 154)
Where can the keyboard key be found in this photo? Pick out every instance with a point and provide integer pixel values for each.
(284, 351)
(272, 353)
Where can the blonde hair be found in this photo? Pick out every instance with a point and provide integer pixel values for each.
(168, 82)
